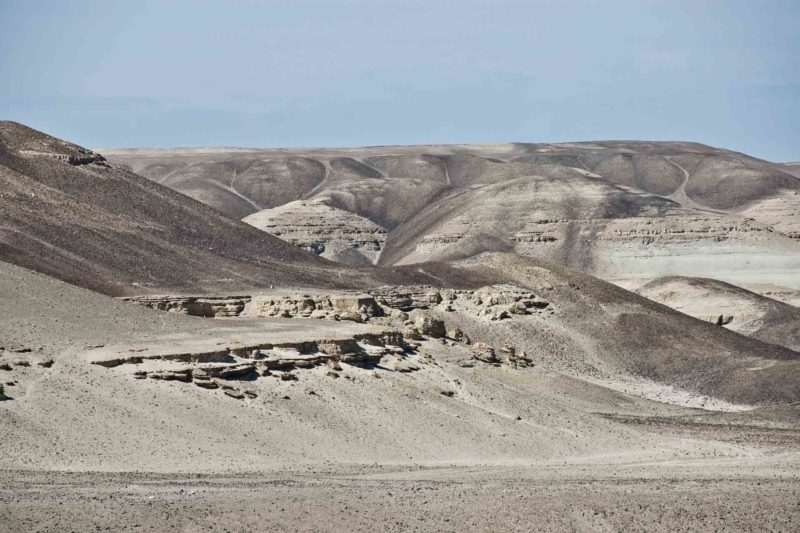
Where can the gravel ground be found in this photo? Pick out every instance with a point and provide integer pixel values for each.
(753, 495)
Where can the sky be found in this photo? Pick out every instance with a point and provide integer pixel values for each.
(302, 73)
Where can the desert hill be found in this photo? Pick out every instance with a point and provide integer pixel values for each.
(737, 309)
(791, 168)
(605, 332)
(622, 210)
(67, 212)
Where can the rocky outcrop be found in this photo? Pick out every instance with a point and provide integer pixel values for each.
(407, 298)
(513, 358)
(499, 302)
(282, 361)
(205, 306)
(76, 156)
(184, 375)
(214, 369)
(332, 305)
(458, 335)
(361, 346)
(485, 353)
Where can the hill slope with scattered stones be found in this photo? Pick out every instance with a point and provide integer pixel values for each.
(65, 211)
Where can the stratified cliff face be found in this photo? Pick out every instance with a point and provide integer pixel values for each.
(333, 233)
(599, 227)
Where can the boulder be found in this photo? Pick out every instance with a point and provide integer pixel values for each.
(723, 320)
(224, 385)
(430, 326)
(399, 315)
(457, 335)
(518, 308)
(515, 358)
(412, 333)
(172, 375)
(352, 316)
(234, 393)
(483, 352)
(508, 352)
(236, 371)
(499, 314)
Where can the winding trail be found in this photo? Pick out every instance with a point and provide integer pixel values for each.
(233, 190)
(680, 195)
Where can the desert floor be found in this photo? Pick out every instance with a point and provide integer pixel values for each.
(758, 494)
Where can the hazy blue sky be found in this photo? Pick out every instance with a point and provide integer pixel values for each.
(362, 72)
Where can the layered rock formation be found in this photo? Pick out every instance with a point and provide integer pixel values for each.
(205, 306)
(331, 305)
(495, 302)
(229, 368)
(333, 233)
